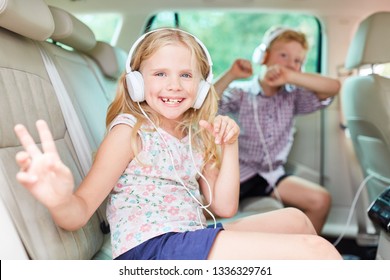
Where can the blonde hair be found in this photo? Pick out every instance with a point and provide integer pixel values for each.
(122, 103)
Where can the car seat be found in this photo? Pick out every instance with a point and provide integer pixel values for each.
(366, 103)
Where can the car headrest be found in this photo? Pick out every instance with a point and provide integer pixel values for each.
(371, 43)
(111, 60)
(71, 32)
(31, 19)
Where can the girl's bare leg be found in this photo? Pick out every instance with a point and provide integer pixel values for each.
(280, 234)
(286, 220)
(271, 246)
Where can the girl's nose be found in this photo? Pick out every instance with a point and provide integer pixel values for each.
(174, 83)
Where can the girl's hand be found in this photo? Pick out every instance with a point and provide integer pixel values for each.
(43, 173)
(224, 129)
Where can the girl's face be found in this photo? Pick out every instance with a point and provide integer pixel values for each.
(289, 54)
(171, 81)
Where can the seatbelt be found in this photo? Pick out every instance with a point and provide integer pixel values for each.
(76, 132)
(73, 124)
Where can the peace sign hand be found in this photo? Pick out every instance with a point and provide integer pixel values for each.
(42, 172)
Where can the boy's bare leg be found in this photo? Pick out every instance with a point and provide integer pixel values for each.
(307, 196)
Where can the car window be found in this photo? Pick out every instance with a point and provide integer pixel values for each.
(380, 69)
(105, 26)
(230, 35)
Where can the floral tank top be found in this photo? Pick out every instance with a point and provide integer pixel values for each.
(149, 199)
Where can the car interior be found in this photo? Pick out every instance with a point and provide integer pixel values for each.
(366, 113)
(54, 67)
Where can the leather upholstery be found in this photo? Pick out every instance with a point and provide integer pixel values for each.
(366, 103)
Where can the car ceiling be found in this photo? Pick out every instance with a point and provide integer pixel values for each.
(323, 8)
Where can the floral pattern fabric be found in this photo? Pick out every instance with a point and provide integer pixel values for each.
(152, 196)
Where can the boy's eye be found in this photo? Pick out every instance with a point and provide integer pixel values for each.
(298, 61)
(284, 55)
(186, 75)
(160, 74)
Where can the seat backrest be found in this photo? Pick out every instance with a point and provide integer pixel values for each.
(83, 87)
(90, 70)
(26, 95)
(112, 62)
(366, 103)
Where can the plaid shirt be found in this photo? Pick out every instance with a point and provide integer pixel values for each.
(275, 116)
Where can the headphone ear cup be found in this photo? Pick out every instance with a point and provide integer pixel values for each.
(258, 54)
(135, 86)
(203, 90)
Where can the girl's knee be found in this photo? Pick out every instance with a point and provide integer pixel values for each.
(321, 248)
(296, 213)
(301, 221)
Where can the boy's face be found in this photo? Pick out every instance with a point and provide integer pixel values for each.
(289, 54)
(170, 81)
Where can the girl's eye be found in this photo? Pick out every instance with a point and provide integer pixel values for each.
(160, 74)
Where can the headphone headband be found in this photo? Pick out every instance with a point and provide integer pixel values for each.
(140, 39)
(259, 52)
(274, 34)
(134, 79)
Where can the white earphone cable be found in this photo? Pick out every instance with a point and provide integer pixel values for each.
(362, 185)
(177, 175)
(353, 205)
(204, 178)
(264, 144)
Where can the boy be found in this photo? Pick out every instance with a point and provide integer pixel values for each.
(265, 108)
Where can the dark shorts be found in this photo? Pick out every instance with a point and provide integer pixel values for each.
(258, 186)
(189, 245)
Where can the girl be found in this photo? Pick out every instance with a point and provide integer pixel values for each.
(164, 160)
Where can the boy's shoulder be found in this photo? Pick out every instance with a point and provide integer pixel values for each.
(248, 86)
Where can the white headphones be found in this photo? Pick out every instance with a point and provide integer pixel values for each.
(259, 52)
(135, 82)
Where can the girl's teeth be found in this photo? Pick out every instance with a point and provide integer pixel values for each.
(171, 101)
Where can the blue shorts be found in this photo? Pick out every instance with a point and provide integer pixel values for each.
(189, 245)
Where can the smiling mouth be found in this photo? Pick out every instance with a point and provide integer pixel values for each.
(172, 100)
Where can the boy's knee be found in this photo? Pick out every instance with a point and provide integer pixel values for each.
(322, 201)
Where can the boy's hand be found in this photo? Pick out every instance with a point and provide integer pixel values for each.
(241, 68)
(224, 129)
(277, 75)
(43, 173)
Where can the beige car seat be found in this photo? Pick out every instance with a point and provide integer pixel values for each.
(26, 95)
(366, 107)
(89, 71)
